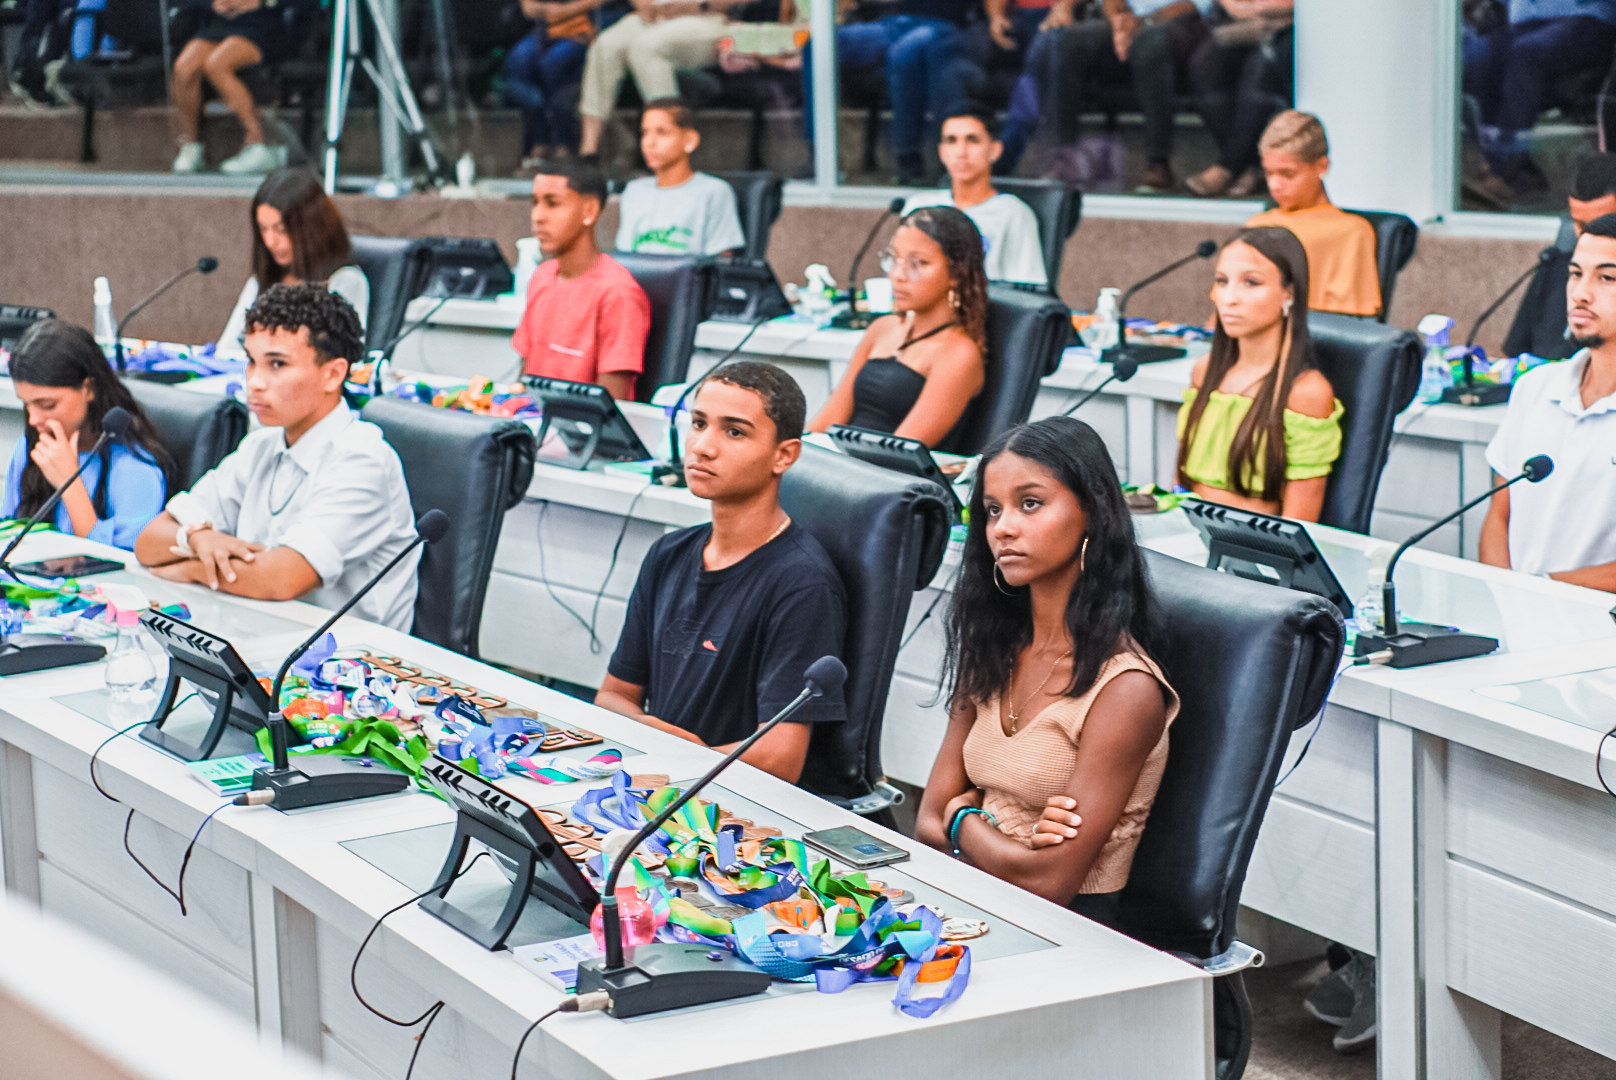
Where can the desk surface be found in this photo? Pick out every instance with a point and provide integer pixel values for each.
(309, 856)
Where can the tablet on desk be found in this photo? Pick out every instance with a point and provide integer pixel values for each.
(892, 452)
(586, 423)
(1265, 548)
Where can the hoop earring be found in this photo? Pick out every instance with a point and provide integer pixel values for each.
(1082, 556)
(998, 577)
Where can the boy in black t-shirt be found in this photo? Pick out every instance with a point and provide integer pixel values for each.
(725, 618)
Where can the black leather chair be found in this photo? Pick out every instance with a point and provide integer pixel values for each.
(473, 468)
(1251, 663)
(1375, 371)
(682, 294)
(199, 429)
(395, 267)
(1539, 325)
(1058, 208)
(758, 197)
(1396, 237)
(1027, 331)
(886, 533)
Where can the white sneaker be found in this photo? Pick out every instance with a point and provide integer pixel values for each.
(255, 159)
(189, 159)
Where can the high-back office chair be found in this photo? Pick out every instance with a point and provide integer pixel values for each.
(1027, 332)
(1539, 325)
(1396, 237)
(1375, 371)
(886, 533)
(473, 468)
(758, 198)
(1058, 209)
(395, 267)
(681, 291)
(1251, 662)
(198, 429)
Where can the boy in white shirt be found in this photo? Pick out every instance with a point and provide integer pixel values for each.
(969, 146)
(1565, 526)
(679, 211)
(313, 503)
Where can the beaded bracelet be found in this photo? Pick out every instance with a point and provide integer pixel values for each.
(959, 817)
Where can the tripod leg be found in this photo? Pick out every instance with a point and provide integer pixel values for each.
(387, 53)
(336, 98)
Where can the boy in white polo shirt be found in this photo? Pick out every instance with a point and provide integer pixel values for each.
(1011, 249)
(1565, 526)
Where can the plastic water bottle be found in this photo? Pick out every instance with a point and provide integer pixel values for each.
(106, 327)
(1105, 319)
(1369, 611)
(1435, 373)
(131, 675)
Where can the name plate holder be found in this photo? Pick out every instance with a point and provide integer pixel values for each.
(509, 828)
(212, 666)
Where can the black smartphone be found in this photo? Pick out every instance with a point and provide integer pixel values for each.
(857, 849)
(69, 566)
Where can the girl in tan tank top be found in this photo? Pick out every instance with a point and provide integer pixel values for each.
(1057, 734)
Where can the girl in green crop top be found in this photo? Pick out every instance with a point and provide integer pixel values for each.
(1260, 427)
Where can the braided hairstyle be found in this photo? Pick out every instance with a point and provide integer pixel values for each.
(957, 235)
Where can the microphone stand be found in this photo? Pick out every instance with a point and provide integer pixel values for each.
(670, 976)
(1489, 394)
(320, 780)
(205, 265)
(1122, 351)
(1412, 644)
(1121, 371)
(384, 355)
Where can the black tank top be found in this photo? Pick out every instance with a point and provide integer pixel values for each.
(887, 388)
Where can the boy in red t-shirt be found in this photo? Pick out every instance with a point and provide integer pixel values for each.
(586, 318)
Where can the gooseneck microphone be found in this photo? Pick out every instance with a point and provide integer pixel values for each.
(207, 264)
(893, 208)
(328, 779)
(1466, 394)
(1412, 644)
(1122, 350)
(1122, 369)
(671, 976)
(114, 426)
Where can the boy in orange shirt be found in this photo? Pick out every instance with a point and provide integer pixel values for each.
(1342, 272)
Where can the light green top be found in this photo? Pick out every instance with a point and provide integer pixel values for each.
(1312, 443)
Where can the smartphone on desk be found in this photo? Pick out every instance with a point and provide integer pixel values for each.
(857, 849)
(68, 566)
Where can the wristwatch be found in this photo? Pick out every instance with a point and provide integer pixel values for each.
(182, 537)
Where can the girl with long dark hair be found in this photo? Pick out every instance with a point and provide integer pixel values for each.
(1260, 427)
(298, 236)
(1057, 732)
(916, 370)
(66, 387)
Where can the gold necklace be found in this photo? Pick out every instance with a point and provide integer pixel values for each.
(1015, 714)
(778, 531)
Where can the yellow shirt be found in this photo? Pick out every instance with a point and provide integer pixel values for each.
(1341, 270)
(1312, 443)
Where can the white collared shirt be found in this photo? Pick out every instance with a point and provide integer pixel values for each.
(1567, 521)
(337, 497)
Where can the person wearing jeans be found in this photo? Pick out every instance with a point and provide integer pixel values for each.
(540, 73)
(917, 45)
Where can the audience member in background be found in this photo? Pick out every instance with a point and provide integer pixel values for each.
(1539, 326)
(1021, 118)
(1509, 71)
(655, 41)
(1242, 74)
(542, 72)
(586, 317)
(311, 504)
(679, 211)
(969, 146)
(915, 371)
(916, 48)
(46, 31)
(726, 617)
(66, 386)
(1260, 427)
(1147, 41)
(1057, 730)
(1340, 246)
(1562, 527)
(298, 236)
(236, 34)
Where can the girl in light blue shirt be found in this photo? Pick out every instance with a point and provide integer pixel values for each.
(66, 386)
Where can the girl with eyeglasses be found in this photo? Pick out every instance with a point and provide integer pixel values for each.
(917, 370)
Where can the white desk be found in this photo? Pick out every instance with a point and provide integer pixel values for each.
(279, 902)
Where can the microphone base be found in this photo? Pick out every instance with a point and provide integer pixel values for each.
(1476, 394)
(1141, 354)
(1417, 644)
(662, 976)
(318, 779)
(28, 652)
(854, 320)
